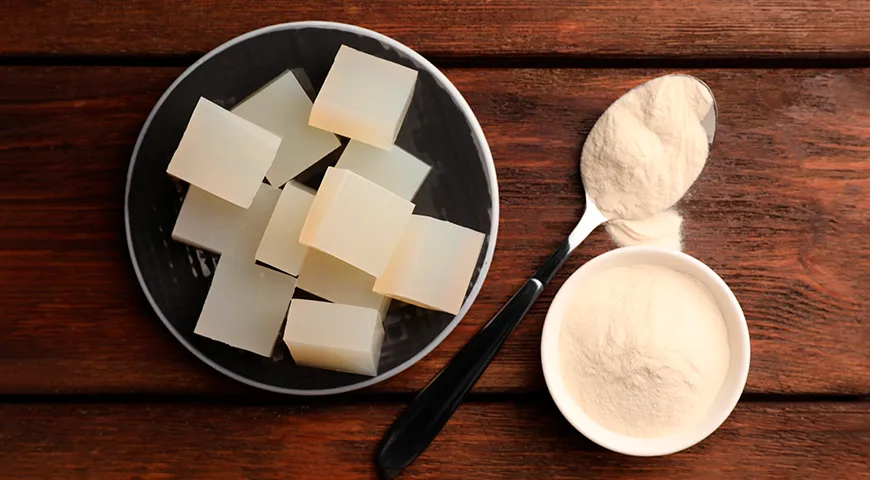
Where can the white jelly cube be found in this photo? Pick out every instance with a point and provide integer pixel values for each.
(245, 306)
(214, 224)
(355, 220)
(432, 264)
(207, 222)
(395, 169)
(283, 108)
(223, 154)
(364, 97)
(339, 337)
(280, 247)
(339, 282)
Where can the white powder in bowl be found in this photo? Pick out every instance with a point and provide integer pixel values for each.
(643, 350)
(644, 153)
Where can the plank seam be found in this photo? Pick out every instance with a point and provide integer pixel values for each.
(261, 399)
(485, 61)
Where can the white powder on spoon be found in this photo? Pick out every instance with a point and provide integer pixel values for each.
(644, 153)
(644, 350)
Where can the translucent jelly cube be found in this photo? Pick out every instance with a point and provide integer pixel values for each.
(355, 220)
(364, 98)
(224, 154)
(395, 169)
(432, 264)
(214, 224)
(339, 282)
(245, 306)
(280, 247)
(339, 337)
(283, 108)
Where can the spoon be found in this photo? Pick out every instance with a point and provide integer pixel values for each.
(427, 414)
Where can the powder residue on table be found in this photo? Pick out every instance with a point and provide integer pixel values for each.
(660, 230)
(643, 350)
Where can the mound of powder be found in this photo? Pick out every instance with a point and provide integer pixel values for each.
(643, 350)
(660, 230)
(645, 152)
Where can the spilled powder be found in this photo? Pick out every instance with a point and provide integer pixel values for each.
(660, 230)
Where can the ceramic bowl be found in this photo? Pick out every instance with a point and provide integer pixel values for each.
(738, 341)
(439, 128)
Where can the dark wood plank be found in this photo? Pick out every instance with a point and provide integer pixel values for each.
(620, 28)
(482, 441)
(782, 212)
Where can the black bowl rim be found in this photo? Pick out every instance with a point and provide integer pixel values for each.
(489, 171)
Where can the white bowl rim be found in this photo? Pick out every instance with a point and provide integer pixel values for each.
(480, 141)
(647, 447)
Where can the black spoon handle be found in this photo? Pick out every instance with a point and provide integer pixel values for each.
(418, 425)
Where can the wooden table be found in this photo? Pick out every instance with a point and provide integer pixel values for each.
(94, 387)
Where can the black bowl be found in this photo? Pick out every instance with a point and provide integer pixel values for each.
(439, 129)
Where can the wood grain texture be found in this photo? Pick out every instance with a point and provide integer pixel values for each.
(482, 441)
(782, 212)
(620, 28)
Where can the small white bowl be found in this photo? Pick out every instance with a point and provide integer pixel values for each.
(738, 341)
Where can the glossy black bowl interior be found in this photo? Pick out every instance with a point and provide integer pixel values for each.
(438, 128)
